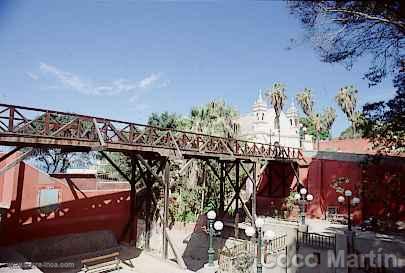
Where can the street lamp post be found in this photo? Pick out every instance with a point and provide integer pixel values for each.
(268, 235)
(303, 197)
(350, 201)
(213, 229)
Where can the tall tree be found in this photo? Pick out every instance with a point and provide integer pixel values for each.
(346, 98)
(344, 31)
(306, 101)
(168, 120)
(277, 98)
(215, 118)
(59, 161)
(317, 125)
(328, 118)
(384, 122)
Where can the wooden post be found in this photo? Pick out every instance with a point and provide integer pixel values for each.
(222, 190)
(166, 208)
(132, 212)
(11, 120)
(148, 208)
(237, 199)
(256, 170)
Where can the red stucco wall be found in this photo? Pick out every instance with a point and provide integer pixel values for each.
(384, 175)
(83, 207)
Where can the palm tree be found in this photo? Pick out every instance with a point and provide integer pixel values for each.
(328, 118)
(347, 101)
(215, 118)
(321, 122)
(218, 119)
(277, 99)
(306, 101)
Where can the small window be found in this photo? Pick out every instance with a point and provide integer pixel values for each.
(48, 200)
(291, 122)
(262, 116)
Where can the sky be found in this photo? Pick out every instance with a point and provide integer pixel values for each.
(126, 59)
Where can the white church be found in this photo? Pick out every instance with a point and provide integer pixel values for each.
(261, 125)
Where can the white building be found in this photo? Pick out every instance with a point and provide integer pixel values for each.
(261, 125)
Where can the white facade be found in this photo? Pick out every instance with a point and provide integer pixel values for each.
(261, 125)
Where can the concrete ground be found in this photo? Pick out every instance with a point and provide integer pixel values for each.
(193, 247)
(133, 260)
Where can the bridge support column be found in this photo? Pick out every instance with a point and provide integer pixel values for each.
(148, 209)
(166, 182)
(237, 193)
(222, 189)
(256, 170)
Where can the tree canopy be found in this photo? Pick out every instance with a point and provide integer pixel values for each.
(384, 122)
(343, 31)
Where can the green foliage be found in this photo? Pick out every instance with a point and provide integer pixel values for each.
(344, 31)
(215, 118)
(168, 120)
(277, 98)
(306, 101)
(59, 160)
(290, 202)
(317, 125)
(348, 133)
(384, 122)
(309, 124)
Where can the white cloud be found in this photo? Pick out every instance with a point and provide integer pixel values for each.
(148, 81)
(32, 76)
(115, 87)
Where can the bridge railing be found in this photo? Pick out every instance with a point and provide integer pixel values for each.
(42, 123)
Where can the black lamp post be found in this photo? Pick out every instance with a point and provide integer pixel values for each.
(302, 198)
(350, 201)
(268, 235)
(213, 229)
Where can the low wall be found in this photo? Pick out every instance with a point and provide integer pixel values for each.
(81, 206)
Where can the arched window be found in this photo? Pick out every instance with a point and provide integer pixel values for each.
(291, 122)
(262, 116)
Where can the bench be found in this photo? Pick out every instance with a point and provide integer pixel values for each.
(101, 263)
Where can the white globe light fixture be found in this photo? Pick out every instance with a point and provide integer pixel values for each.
(268, 235)
(310, 197)
(341, 199)
(297, 196)
(355, 200)
(348, 193)
(259, 222)
(218, 225)
(250, 231)
(211, 215)
(303, 191)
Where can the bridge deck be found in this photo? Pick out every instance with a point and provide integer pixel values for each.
(33, 127)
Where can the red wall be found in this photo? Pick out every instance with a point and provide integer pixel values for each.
(83, 207)
(378, 181)
(276, 183)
